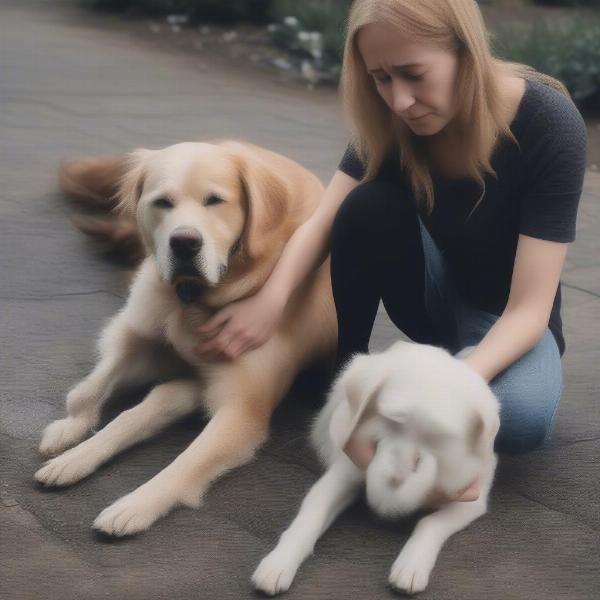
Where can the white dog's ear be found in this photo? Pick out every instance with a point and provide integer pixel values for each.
(267, 195)
(361, 384)
(132, 182)
(483, 432)
(392, 410)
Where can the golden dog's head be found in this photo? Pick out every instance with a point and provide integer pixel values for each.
(202, 206)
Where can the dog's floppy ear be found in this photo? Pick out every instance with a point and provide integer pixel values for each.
(132, 182)
(267, 196)
(362, 385)
(393, 411)
(483, 431)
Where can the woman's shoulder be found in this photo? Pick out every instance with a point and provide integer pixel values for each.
(548, 116)
(353, 165)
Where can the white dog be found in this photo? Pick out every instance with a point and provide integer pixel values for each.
(431, 421)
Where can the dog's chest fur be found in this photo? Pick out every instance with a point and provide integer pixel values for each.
(154, 311)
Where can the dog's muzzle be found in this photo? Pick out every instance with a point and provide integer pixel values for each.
(185, 243)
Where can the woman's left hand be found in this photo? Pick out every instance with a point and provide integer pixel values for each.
(467, 494)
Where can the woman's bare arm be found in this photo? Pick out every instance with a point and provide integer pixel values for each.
(250, 322)
(308, 247)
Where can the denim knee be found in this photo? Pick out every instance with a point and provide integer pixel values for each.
(525, 431)
(529, 392)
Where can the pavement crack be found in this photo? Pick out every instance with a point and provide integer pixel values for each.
(555, 510)
(64, 295)
(572, 442)
(580, 289)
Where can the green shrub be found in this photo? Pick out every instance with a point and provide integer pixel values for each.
(215, 10)
(325, 16)
(568, 49)
(587, 3)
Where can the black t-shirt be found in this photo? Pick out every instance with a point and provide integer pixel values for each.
(536, 193)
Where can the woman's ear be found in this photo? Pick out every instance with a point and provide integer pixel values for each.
(132, 182)
(267, 195)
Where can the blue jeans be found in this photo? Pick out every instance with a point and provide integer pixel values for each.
(529, 390)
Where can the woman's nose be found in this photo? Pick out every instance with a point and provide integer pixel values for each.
(402, 98)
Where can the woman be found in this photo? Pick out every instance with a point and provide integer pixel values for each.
(454, 204)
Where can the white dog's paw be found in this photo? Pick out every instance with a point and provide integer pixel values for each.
(275, 572)
(410, 571)
(134, 512)
(64, 433)
(70, 467)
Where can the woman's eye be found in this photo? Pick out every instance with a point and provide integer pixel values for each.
(213, 200)
(410, 77)
(381, 80)
(163, 203)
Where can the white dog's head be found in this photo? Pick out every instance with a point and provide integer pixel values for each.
(410, 404)
(199, 206)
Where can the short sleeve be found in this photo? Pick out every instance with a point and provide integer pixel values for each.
(554, 161)
(351, 164)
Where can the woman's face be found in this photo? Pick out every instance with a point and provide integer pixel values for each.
(415, 80)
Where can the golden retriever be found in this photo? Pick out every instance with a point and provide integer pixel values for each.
(213, 219)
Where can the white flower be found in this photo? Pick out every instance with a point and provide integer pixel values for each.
(291, 22)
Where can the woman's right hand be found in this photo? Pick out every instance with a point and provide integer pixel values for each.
(239, 326)
(249, 323)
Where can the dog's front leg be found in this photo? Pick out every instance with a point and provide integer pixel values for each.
(410, 571)
(332, 493)
(165, 404)
(228, 440)
(118, 347)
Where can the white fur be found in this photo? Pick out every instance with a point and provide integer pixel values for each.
(426, 403)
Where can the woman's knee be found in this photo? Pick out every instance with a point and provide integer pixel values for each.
(369, 213)
(527, 411)
(526, 431)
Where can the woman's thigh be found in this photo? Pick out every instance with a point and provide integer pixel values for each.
(528, 390)
(376, 253)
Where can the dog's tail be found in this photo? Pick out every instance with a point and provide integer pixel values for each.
(94, 183)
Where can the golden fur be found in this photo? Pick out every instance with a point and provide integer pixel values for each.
(263, 197)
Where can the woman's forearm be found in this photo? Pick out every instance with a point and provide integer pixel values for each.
(304, 252)
(516, 332)
(308, 247)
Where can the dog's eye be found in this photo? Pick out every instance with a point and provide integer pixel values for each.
(163, 203)
(213, 200)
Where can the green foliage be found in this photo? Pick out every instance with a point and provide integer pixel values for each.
(215, 10)
(568, 49)
(586, 3)
(325, 16)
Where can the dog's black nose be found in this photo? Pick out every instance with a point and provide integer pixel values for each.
(185, 243)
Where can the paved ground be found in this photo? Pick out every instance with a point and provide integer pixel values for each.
(71, 87)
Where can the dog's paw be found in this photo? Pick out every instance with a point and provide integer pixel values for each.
(275, 572)
(68, 468)
(410, 571)
(63, 434)
(134, 512)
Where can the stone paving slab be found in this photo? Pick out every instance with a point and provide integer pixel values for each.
(71, 85)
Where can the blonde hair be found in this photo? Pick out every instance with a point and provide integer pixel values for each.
(454, 25)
